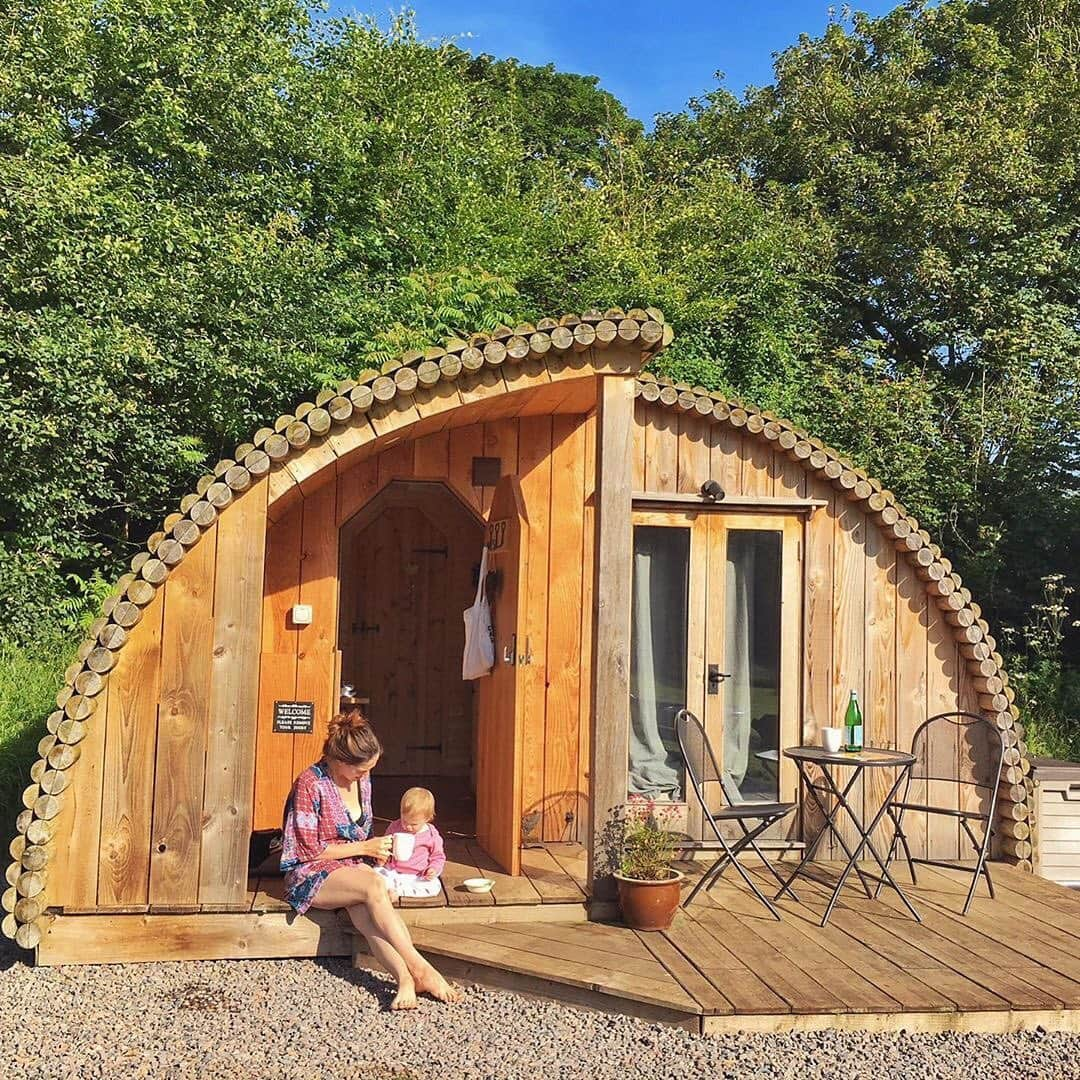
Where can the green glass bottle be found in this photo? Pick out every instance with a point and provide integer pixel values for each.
(853, 726)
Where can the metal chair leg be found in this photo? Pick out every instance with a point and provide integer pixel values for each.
(980, 866)
(910, 860)
(733, 851)
(760, 854)
(756, 891)
(891, 853)
(716, 868)
(989, 881)
(729, 858)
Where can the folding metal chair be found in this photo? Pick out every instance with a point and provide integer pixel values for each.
(702, 769)
(985, 751)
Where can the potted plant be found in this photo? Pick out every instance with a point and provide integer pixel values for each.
(648, 884)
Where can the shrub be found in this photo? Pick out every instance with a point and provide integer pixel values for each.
(29, 679)
(1047, 689)
(647, 846)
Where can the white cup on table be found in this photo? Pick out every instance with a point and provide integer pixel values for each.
(404, 845)
(832, 738)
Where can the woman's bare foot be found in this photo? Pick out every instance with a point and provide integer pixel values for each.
(405, 998)
(431, 982)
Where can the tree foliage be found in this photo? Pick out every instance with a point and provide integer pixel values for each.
(208, 209)
(938, 149)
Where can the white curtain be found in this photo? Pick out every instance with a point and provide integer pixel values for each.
(658, 609)
(738, 638)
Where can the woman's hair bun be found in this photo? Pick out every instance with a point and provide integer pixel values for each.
(349, 737)
(347, 720)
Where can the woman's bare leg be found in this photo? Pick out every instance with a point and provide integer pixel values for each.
(351, 886)
(388, 956)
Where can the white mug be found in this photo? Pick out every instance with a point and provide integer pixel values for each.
(404, 844)
(832, 739)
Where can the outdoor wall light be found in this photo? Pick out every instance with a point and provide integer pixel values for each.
(711, 491)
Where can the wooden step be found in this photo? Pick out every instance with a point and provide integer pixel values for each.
(583, 964)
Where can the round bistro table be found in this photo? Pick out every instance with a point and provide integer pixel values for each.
(806, 756)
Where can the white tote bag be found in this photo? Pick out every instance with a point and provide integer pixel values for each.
(479, 655)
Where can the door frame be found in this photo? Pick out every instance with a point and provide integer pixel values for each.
(500, 694)
(709, 527)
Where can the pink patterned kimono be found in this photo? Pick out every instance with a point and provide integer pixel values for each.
(314, 817)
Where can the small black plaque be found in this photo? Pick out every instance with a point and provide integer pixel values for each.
(294, 717)
(486, 471)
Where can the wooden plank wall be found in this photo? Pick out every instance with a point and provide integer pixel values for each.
(183, 715)
(552, 456)
(161, 804)
(234, 696)
(867, 624)
(180, 761)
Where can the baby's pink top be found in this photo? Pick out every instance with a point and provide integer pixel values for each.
(427, 852)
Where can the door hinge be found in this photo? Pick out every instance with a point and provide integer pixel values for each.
(365, 628)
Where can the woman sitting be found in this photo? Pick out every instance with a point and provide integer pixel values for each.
(326, 838)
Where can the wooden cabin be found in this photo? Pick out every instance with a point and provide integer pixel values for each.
(342, 544)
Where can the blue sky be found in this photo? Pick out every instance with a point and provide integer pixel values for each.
(652, 56)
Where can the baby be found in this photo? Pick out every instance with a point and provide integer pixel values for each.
(418, 874)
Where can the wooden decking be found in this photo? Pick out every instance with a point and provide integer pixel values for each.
(550, 890)
(1013, 963)
(553, 875)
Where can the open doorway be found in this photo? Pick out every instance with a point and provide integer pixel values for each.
(409, 560)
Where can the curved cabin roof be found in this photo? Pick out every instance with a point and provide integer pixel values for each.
(531, 369)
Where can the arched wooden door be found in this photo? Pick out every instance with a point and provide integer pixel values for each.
(407, 565)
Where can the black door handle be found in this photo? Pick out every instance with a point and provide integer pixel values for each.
(716, 677)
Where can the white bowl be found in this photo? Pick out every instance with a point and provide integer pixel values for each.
(478, 884)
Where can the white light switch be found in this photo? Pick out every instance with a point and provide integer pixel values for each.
(301, 614)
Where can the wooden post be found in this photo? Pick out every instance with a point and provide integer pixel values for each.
(612, 570)
(234, 691)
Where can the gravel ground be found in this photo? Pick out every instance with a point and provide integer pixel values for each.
(307, 1018)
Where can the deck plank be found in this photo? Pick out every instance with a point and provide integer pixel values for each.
(1036, 888)
(507, 889)
(1044, 964)
(660, 990)
(741, 986)
(602, 936)
(700, 988)
(1039, 908)
(908, 991)
(858, 993)
(802, 992)
(969, 954)
(574, 861)
(892, 932)
(895, 936)
(550, 880)
(521, 936)
(459, 867)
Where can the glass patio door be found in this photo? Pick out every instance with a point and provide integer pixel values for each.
(716, 625)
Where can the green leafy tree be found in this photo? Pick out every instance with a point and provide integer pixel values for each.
(206, 209)
(557, 115)
(934, 155)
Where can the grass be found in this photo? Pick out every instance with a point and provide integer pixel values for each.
(29, 680)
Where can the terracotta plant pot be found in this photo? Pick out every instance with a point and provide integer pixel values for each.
(649, 905)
